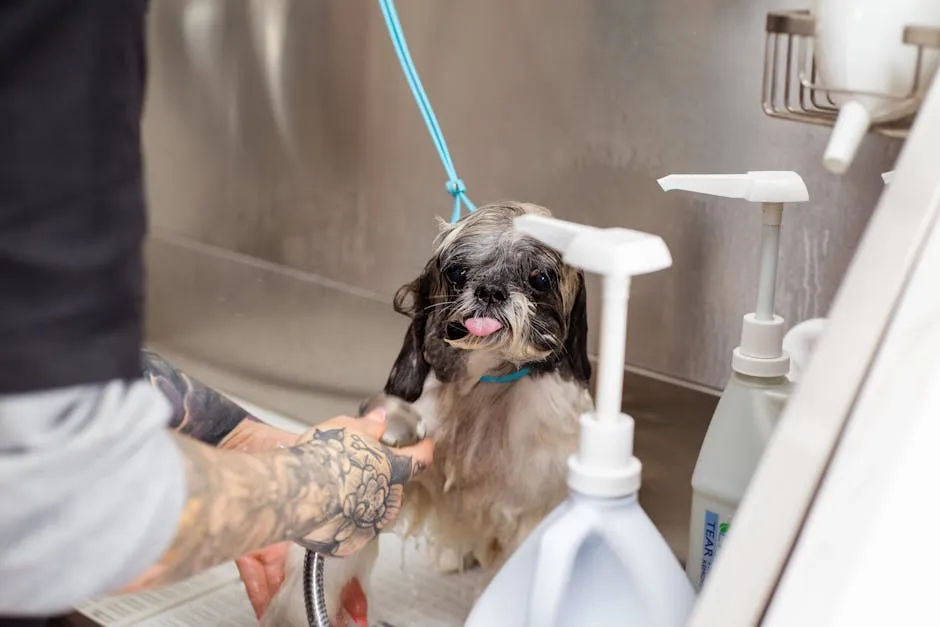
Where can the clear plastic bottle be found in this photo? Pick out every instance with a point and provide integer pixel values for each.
(736, 439)
(758, 388)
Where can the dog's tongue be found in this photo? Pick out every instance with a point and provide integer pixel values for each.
(481, 327)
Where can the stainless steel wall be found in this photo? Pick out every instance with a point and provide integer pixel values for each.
(293, 186)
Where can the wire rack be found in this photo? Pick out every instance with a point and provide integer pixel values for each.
(792, 89)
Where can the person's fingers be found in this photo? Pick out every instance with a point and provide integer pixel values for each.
(273, 438)
(421, 454)
(262, 574)
(252, 436)
(255, 581)
(371, 425)
(274, 565)
(378, 415)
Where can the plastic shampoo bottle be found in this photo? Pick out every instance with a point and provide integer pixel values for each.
(597, 559)
(755, 395)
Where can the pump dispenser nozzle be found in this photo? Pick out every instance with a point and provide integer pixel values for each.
(768, 186)
(761, 351)
(605, 464)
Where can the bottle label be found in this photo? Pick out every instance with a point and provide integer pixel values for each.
(714, 534)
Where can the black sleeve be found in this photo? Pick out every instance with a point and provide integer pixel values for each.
(72, 213)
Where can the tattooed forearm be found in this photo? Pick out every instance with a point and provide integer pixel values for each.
(335, 493)
(240, 502)
(372, 479)
(198, 411)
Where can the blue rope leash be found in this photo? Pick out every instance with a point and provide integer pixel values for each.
(455, 186)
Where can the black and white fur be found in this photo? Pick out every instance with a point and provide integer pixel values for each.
(500, 448)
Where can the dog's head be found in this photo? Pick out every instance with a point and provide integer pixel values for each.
(488, 288)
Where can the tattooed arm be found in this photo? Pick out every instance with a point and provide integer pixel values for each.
(335, 492)
(206, 415)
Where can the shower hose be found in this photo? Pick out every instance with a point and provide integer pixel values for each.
(314, 597)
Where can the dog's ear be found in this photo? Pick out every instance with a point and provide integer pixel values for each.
(576, 344)
(406, 379)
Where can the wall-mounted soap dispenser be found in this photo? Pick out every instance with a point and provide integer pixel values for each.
(753, 398)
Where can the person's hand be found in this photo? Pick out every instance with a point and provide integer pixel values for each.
(371, 480)
(251, 436)
(262, 573)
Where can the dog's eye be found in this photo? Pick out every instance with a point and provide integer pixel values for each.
(540, 280)
(457, 275)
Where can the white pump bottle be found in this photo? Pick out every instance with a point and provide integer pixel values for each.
(597, 559)
(755, 394)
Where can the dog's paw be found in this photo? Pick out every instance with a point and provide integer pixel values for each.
(404, 426)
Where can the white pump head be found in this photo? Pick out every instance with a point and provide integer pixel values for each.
(609, 252)
(605, 465)
(887, 177)
(760, 353)
(758, 186)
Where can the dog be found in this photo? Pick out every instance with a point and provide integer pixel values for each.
(494, 369)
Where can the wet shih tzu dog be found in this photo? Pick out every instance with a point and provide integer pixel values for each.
(494, 368)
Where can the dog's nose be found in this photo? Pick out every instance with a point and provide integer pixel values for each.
(490, 293)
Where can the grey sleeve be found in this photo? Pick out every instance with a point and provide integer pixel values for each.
(92, 486)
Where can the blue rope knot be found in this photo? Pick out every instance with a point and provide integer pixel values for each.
(458, 190)
(456, 187)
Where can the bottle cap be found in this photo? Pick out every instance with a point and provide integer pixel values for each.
(761, 353)
(605, 465)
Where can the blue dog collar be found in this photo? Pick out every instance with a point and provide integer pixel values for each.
(507, 378)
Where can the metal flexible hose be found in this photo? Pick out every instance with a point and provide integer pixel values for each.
(314, 597)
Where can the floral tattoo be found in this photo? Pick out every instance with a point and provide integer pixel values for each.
(333, 493)
(372, 483)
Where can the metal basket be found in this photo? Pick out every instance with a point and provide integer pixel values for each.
(791, 87)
